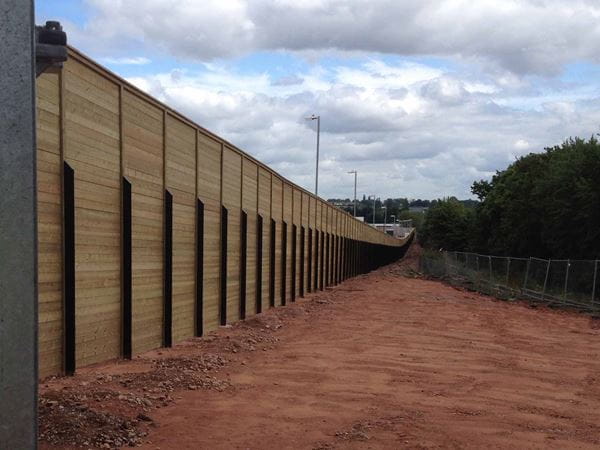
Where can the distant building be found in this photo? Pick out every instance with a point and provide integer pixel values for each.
(418, 209)
(341, 203)
(398, 230)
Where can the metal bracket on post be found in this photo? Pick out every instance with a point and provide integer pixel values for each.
(50, 47)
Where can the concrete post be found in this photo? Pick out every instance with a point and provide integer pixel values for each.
(18, 232)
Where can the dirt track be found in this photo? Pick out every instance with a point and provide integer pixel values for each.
(380, 361)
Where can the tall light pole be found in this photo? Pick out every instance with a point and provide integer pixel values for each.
(318, 119)
(355, 174)
(374, 197)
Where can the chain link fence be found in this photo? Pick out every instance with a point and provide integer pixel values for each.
(558, 281)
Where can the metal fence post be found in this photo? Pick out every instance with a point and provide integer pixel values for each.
(594, 284)
(477, 275)
(18, 240)
(491, 276)
(546, 279)
(507, 272)
(566, 280)
(526, 274)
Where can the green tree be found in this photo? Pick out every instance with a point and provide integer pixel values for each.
(447, 225)
(545, 205)
(416, 217)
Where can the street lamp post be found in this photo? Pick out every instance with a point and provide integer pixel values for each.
(318, 119)
(355, 174)
(374, 198)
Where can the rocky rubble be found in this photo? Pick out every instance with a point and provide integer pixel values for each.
(114, 411)
(68, 419)
(170, 374)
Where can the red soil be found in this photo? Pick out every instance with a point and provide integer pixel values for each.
(380, 361)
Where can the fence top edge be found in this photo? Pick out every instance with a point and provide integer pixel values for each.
(518, 258)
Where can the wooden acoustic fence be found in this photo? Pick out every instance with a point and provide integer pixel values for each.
(153, 230)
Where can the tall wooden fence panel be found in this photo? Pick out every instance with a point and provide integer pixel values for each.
(153, 230)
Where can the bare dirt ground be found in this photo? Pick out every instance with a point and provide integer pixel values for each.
(385, 360)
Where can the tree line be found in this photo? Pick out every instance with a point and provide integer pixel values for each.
(397, 207)
(545, 205)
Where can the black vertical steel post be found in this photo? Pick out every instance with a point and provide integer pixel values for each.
(362, 257)
(343, 256)
(346, 258)
(351, 261)
(199, 268)
(168, 273)
(293, 280)
(283, 262)
(351, 258)
(309, 264)
(316, 278)
(272, 264)
(327, 258)
(333, 259)
(69, 267)
(322, 258)
(341, 259)
(354, 257)
(259, 263)
(338, 264)
(243, 262)
(335, 262)
(223, 277)
(126, 274)
(302, 259)
(357, 257)
(336, 254)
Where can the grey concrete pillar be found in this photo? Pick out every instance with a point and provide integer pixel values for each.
(18, 234)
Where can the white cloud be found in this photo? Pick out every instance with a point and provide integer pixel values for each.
(421, 132)
(521, 36)
(522, 144)
(134, 61)
(418, 129)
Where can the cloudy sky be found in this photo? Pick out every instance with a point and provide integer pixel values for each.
(421, 97)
